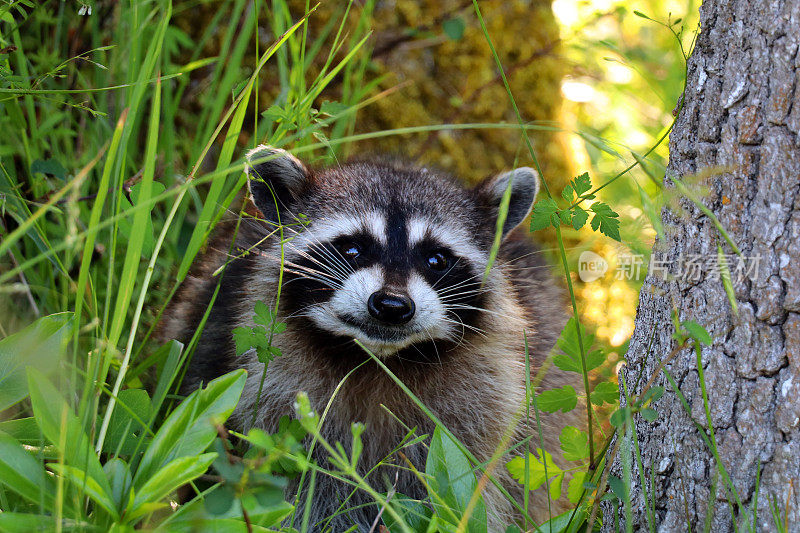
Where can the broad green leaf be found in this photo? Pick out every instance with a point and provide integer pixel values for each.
(454, 28)
(542, 214)
(575, 487)
(60, 426)
(606, 220)
(649, 414)
(191, 428)
(24, 430)
(698, 332)
(416, 515)
(100, 495)
(574, 443)
(555, 487)
(23, 474)
(653, 394)
(40, 345)
(453, 480)
(173, 475)
(564, 399)
(570, 357)
(119, 477)
(605, 392)
(126, 426)
(25, 522)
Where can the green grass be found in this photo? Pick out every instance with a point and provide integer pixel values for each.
(112, 178)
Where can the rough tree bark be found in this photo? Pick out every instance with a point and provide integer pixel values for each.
(740, 122)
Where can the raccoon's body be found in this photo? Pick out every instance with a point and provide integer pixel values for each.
(393, 256)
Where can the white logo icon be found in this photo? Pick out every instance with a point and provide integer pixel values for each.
(591, 266)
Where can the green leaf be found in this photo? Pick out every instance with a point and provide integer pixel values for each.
(574, 443)
(555, 487)
(565, 216)
(605, 392)
(23, 474)
(653, 394)
(570, 357)
(39, 345)
(413, 512)
(575, 487)
(61, 427)
(536, 469)
(128, 421)
(49, 166)
(649, 414)
(173, 475)
(454, 28)
(453, 480)
(25, 522)
(564, 399)
(650, 210)
(605, 219)
(567, 193)
(119, 477)
(581, 184)
(542, 214)
(127, 225)
(191, 427)
(619, 417)
(332, 108)
(89, 486)
(698, 332)
(579, 217)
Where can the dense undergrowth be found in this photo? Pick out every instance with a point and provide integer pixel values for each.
(110, 186)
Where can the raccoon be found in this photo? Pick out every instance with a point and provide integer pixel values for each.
(394, 256)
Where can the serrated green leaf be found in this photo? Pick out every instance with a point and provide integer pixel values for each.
(536, 468)
(582, 184)
(579, 217)
(565, 216)
(606, 220)
(564, 399)
(605, 392)
(543, 211)
(567, 192)
(574, 443)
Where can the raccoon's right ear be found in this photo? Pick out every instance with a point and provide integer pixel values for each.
(276, 179)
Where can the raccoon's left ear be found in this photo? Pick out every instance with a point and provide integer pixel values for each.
(524, 186)
(277, 180)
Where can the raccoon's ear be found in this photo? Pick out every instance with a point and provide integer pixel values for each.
(524, 186)
(276, 179)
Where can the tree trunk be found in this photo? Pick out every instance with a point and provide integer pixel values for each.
(739, 127)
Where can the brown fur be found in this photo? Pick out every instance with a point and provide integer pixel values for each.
(475, 387)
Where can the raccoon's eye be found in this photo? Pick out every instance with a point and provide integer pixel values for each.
(349, 250)
(437, 261)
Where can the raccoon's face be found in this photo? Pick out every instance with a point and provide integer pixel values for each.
(391, 256)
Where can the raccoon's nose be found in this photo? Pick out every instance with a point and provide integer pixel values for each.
(390, 308)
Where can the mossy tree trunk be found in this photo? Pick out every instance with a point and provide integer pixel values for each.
(739, 127)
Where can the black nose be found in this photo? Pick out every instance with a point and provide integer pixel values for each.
(390, 308)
